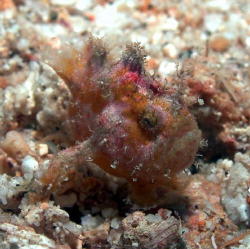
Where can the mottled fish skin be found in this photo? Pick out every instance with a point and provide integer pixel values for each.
(138, 127)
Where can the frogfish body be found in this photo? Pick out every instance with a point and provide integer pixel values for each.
(139, 128)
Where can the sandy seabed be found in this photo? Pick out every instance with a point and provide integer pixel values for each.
(201, 46)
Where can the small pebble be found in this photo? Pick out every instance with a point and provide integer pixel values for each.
(213, 22)
(166, 68)
(63, 2)
(6, 4)
(42, 149)
(115, 223)
(219, 44)
(29, 166)
(89, 222)
(170, 51)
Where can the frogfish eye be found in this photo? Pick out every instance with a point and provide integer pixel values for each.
(150, 122)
